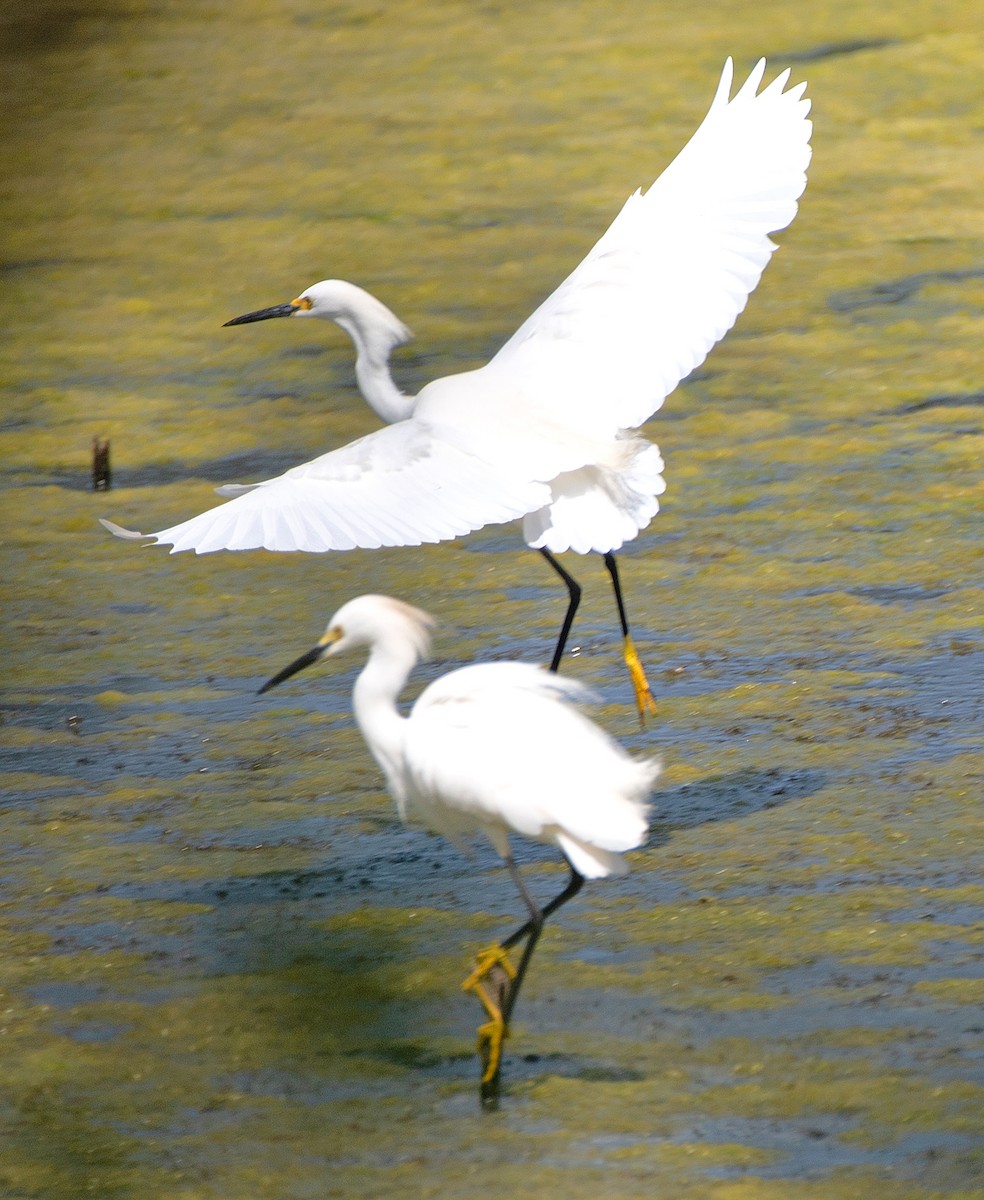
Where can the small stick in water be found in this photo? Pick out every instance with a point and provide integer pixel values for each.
(101, 475)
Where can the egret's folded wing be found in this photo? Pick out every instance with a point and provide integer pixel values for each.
(399, 486)
(674, 270)
(481, 679)
(484, 735)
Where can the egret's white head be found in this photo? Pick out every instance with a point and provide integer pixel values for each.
(367, 621)
(347, 305)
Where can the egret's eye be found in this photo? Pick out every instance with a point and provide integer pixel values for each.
(303, 303)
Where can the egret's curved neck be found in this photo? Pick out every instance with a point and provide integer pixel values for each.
(372, 350)
(374, 703)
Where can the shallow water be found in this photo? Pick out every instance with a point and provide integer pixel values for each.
(227, 969)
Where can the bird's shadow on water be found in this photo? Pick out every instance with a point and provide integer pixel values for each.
(349, 969)
(728, 797)
(309, 1016)
(388, 864)
(397, 896)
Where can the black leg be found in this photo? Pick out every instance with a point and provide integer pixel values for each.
(644, 697)
(504, 985)
(574, 594)
(612, 566)
(574, 885)
(534, 926)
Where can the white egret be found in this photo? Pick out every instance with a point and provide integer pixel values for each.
(543, 430)
(495, 748)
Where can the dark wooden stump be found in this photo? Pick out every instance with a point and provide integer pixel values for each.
(102, 479)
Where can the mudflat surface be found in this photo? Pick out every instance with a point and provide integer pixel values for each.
(226, 969)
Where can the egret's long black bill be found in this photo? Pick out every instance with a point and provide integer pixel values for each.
(298, 664)
(264, 314)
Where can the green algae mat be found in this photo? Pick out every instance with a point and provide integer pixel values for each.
(226, 969)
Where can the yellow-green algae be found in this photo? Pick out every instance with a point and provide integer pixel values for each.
(226, 970)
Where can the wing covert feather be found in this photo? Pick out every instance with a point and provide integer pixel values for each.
(399, 486)
(483, 741)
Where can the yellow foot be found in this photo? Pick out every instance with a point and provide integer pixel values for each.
(485, 960)
(644, 697)
(492, 1033)
(490, 1038)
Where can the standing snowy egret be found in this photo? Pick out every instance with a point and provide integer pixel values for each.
(543, 430)
(495, 748)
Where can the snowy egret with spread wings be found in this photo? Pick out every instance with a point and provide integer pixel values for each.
(544, 431)
(493, 749)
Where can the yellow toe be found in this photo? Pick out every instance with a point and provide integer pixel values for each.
(490, 1039)
(485, 960)
(644, 697)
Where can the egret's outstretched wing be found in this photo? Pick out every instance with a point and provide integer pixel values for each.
(399, 486)
(674, 270)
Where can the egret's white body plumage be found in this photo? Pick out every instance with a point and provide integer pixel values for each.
(493, 748)
(542, 431)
